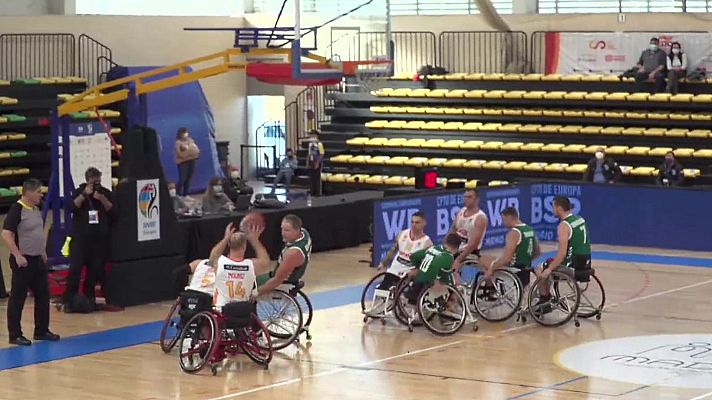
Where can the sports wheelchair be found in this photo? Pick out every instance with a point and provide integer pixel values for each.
(189, 303)
(287, 313)
(211, 336)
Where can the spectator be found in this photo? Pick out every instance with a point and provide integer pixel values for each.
(215, 200)
(90, 239)
(602, 169)
(235, 186)
(187, 153)
(651, 67)
(670, 171)
(286, 170)
(179, 205)
(23, 233)
(676, 66)
(314, 162)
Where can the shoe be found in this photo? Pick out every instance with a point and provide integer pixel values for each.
(49, 336)
(20, 341)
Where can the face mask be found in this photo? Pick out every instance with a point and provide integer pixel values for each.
(653, 47)
(234, 174)
(172, 192)
(675, 51)
(599, 155)
(668, 160)
(217, 188)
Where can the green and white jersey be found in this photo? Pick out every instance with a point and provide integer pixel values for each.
(525, 246)
(579, 241)
(433, 263)
(304, 245)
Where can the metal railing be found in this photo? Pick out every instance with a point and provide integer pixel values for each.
(29, 55)
(307, 112)
(483, 51)
(95, 59)
(259, 157)
(411, 49)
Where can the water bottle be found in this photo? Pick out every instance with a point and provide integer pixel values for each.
(309, 202)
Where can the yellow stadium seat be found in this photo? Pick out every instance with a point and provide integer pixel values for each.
(701, 117)
(514, 166)
(657, 115)
(512, 112)
(458, 76)
(109, 113)
(358, 159)
(556, 167)
(625, 169)
(474, 164)
(472, 145)
(357, 178)
(471, 184)
(703, 153)
(115, 131)
(590, 149)
(436, 162)
(552, 113)
(534, 95)
(471, 126)
(509, 127)
(573, 148)
(416, 110)
(409, 182)
(553, 147)
(16, 136)
(594, 114)
(383, 92)
(592, 78)
(435, 110)
(4, 155)
(414, 125)
(4, 82)
(417, 142)
(3, 120)
(638, 96)
(636, 115)
(676, 132)
(576, 168)
(531, 147)
(395, 142)
(610, 78)
(691, 172)
(614, 114)
(492, 111)
(575, 95)
(5, 172)
(702, 98)
(491, 145)
(397, 110)
(633, 131)
(394, 180)
(452, 144)
(535, 166)
(616, 150)
(532, 77)
(654, 131)
(617, 96)
(591, 130)
(437, 93)
(514, 94)
(451, 126)
(493, 77)
(357, 141)
(644, 171)
(418, 93)
(612, 130)
(436, 77)
(490, 127)
(498, 183)
(432, 125)
(403, 76)
(475, 94)
(529, 128)
(472, 111)
(638, 150)
(494, 164)
(550, 129)
(376, 179)
(571, 129)
(683, 152)
(398, 160)
(456, 93)
(699, 133)
(377, 142)
(21, 171)
(679, 116)
(417, 161)
(532, 113)
(433, 143)
(596, 96)
(75, 79)
(474, 77)
(660, 97)
(551, 77)
(494, 94)
(659, 151)
(325, 176)
(8, 101)
(512, 77)
(572, 77)
(451, 111)
(378, 160)
(573, 113)
(512, 146)
(455, 163)
(554, 95)
(376, 124)
(341, 158)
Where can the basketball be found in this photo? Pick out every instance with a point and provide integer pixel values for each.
(252, 218)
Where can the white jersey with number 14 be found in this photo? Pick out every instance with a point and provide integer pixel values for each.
(234, 281)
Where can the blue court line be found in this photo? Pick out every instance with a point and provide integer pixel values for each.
(75, 346)
(554, 386)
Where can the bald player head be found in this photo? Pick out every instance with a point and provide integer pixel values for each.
(237, 243)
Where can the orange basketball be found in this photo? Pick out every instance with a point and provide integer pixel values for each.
(252, 218)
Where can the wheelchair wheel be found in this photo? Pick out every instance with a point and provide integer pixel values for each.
(593, 298)
(282, 317)
(501, 302)
(197, 342)
(170, 332)
(404, 311)
(562, 304)
(256, 342)
(443, 311)
(307, 311)
(371, 306)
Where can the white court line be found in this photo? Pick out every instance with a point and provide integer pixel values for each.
(336, 371)
(633, 300)
(704, 396)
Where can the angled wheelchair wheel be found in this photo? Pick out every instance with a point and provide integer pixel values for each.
(374, 303)
(593, 298)
(197, 342)
(282, 317)
(442, 310)
(256, 342)
(501, 300)
(562, 303)
(307, 311)
(171, 329)
(405, 312)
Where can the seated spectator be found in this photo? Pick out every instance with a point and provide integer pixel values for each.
(179, 205)
(651, 67)
(676, 66)
(234, 186)
(670, 171)
(215, 200)
(287, 165)
(602, 169)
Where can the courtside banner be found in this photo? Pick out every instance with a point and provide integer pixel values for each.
(616, 52)
(148, 209)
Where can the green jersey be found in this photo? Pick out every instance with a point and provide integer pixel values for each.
(525, 247)
(433, 263)
(304, 245)
(579, 242)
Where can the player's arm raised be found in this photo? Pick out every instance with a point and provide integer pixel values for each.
(219, 248)
(292, 259)
(563, 233)
(261, 262)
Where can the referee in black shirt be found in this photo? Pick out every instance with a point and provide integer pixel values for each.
(23, 232)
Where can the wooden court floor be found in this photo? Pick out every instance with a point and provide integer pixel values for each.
(349, 360)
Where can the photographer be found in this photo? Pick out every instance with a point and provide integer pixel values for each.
(90, 239)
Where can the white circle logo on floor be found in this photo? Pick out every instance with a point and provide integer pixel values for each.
(664, 360)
